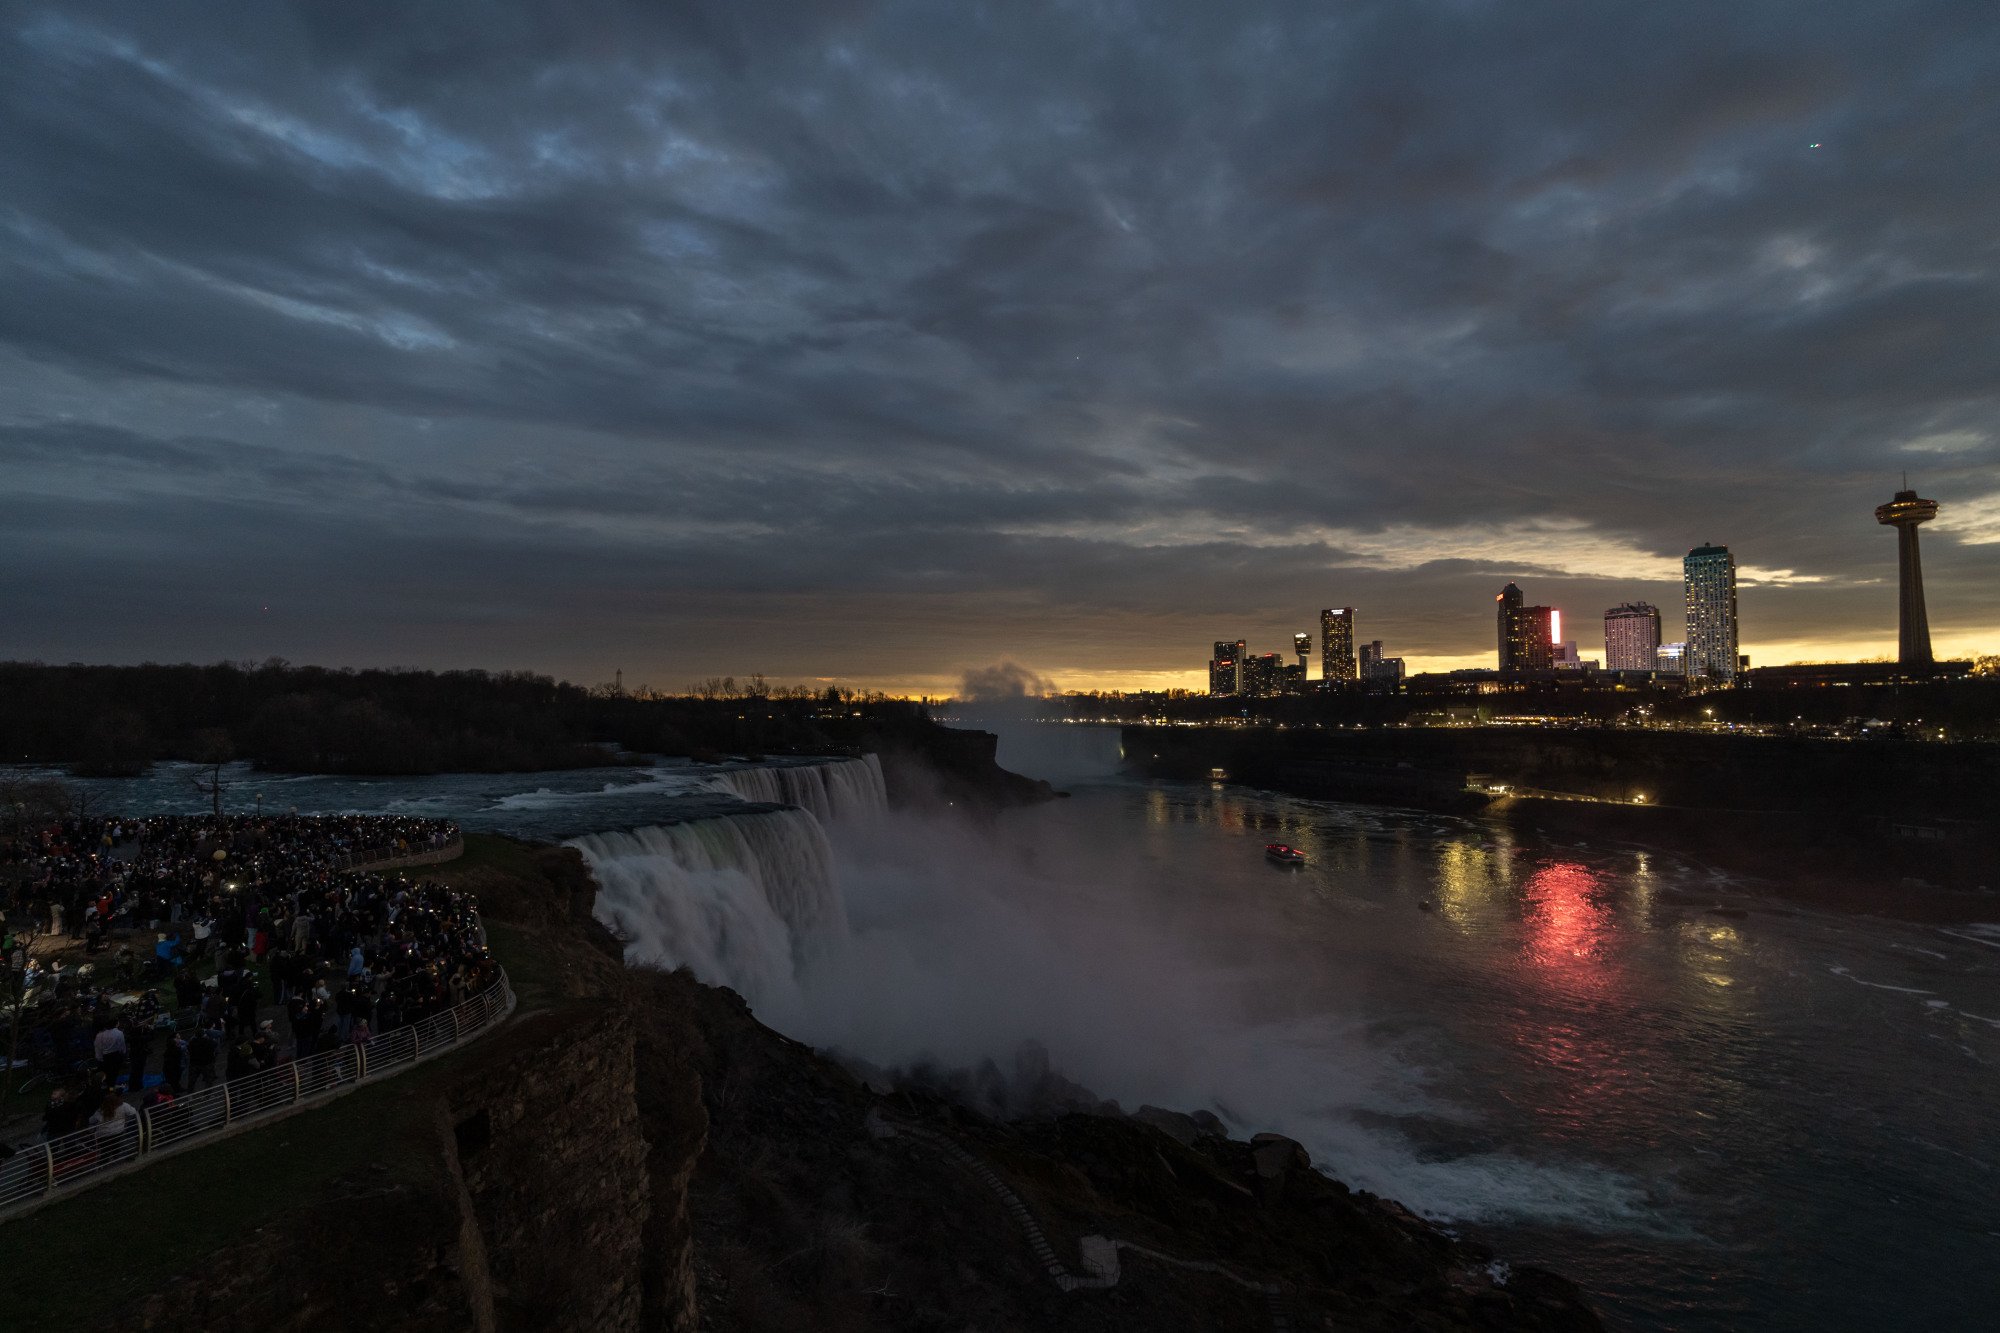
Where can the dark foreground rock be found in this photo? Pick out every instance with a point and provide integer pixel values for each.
(822, 1204)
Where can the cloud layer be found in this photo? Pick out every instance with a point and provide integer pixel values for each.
(882, 340)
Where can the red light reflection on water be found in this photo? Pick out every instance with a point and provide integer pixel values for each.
(1576, 1032)
(1566, 924)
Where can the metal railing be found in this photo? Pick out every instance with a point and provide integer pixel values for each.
(63, 1165)
(389, 854)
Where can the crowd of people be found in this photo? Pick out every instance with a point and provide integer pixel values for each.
(258, 947)
(78, 877)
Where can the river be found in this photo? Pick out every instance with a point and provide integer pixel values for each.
(1713, 1108)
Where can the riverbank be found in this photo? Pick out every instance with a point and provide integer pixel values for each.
(1896, 828)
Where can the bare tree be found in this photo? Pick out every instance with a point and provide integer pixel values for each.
(27, 801)
(213, 752)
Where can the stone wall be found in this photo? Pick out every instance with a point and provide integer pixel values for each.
(533, 1210)
(545, 1137)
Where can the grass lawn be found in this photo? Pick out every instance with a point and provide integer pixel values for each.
(160, 1221)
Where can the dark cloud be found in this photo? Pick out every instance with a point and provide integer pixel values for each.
(887, 339)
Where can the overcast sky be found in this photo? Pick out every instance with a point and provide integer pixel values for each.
(886, 341)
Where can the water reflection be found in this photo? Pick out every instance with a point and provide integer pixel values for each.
(1463, 873)
(1654, 1065)
(1566, 923)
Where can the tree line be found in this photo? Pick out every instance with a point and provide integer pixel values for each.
(118, 720)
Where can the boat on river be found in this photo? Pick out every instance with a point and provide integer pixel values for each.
(1284, 854)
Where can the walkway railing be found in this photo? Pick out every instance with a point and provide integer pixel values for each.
(389, 855)
(61, 1166)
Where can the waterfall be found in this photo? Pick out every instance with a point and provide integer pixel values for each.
(840, 789)
(745, 901)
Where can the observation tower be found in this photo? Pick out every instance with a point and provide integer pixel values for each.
(1903, 514)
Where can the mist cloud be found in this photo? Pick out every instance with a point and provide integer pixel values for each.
(1004, 682)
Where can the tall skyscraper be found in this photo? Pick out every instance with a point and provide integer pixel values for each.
(1709, 573)
(1263, 675)
(1507, 610)
(1336, 644)
(1225, 669)
(1631, 637)
(1913, 626)
(1528, 634)
(1302, 644)
(1541, 631)
(1376, 667)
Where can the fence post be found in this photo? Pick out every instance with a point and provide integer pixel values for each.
(454, 1023)
(360, 1061)
(49, 1153)
(226, 1108)
(145, 1131)
(416, 1042)
(298, 1093)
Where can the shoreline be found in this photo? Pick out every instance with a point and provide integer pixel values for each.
(1892, 862)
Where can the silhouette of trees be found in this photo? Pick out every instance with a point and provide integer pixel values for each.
(103, 721)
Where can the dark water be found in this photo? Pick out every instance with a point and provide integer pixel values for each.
(1714, 1108)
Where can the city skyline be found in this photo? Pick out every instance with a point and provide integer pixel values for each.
(1531, 638)
(865, 343)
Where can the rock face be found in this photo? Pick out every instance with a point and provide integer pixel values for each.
(528, 1211)
(822, 1204)
(1182, 1129)
(1278, 1159)
(550, 1159)
(941, 766)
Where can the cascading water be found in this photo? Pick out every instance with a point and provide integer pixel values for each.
(841, 790)
(746, 901)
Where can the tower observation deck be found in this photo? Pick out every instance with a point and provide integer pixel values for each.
(1903, 514)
